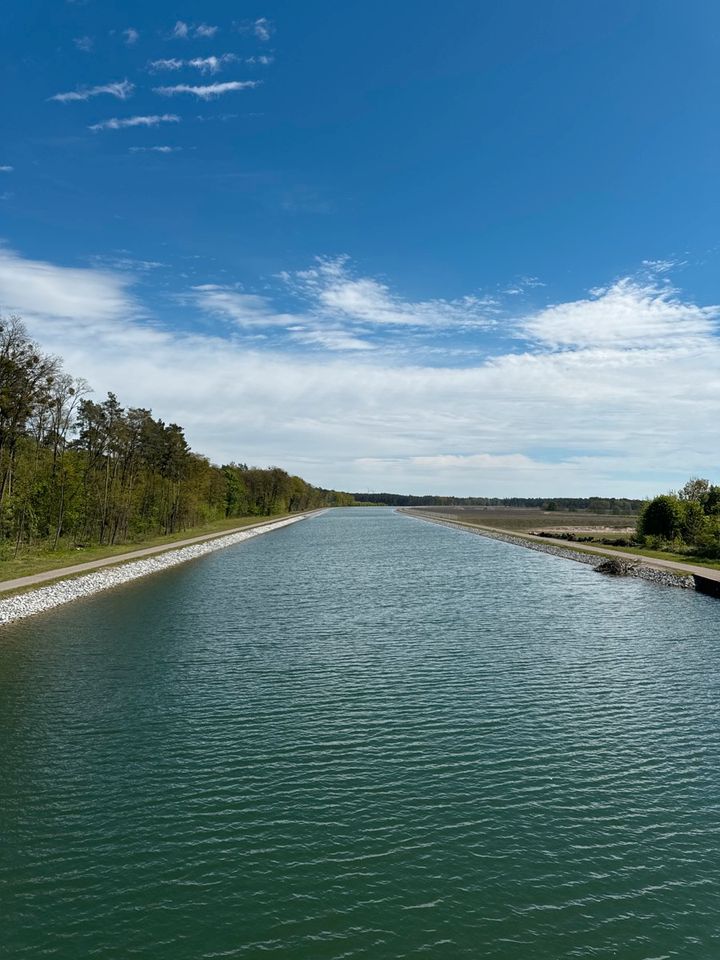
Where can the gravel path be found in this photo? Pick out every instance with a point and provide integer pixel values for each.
(65, 591)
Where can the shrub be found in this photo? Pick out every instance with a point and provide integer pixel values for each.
(708, 543)
(694, 522)
(662, 517)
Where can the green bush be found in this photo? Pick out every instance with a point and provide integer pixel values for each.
(694, 522)
(708, 544)
(663, 517)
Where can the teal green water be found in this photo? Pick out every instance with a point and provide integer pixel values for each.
(364, 736)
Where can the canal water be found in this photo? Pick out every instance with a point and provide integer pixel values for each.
(364, 736)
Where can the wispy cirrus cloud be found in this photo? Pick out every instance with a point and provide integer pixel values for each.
(208, 91)
(211, 64)
(263, 28)
(333, 290)
(199, 31)
(336, 310)
(122, 260)
(85, 44)
(158, 149)
(122, 90)
(120, 123)
(6, 168)
(334, 339)
(243, 309)
(250, 312)
(658, 267)
(454, 461)
(522, 285)
(131, 36)
(169, 63)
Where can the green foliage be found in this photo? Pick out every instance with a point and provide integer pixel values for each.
(689, 520)
(695, 489)
(661, 517)
(708, 543)
(694, 522)
(80, 472)
(712, 501)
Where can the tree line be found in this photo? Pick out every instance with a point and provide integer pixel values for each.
(74, 471)
(683, 520)
(619, 506)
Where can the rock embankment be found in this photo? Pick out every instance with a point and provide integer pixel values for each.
(65, 591)
(664, 578)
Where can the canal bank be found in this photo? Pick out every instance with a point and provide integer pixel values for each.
(114, 572)
(665, 573)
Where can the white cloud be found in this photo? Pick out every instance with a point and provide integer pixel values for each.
(627, 314)
(148, 121)
(123, 260)
(6, 168)
(121, 90)
(158, 149)
(85, 44)
(477, 461)
(340, 311)
(262, 28)
(661, 266)
(204, 30)
(522, 285)
(131, 36)
(329, 339)
(250, 311)
(35, 288)
(209, 91)
(602, 418)
(212, 64)
(243, 309)
(333, 291)
(199, 31)
(171, 63)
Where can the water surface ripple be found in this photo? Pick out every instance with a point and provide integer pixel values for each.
(364, 736)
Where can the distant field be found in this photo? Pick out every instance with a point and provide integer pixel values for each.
(525, 520)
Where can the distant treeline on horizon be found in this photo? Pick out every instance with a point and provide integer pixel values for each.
(591, 504)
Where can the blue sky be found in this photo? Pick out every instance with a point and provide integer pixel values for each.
(460, 248)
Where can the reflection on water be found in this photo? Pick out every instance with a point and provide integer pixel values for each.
(364, 736)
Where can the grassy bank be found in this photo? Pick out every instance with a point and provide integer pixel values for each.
(43, 559)
(671, 555)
